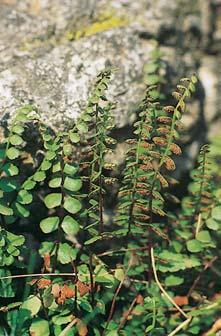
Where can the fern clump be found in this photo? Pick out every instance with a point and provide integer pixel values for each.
(96, 279)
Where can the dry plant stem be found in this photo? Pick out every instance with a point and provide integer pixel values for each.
(215, 327)
(36, 275)
(180, 327)
(188, 319)
(161, 287)
(68, 327)
(198, 224)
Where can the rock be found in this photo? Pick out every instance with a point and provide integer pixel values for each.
(51, 52)
(209, 77)
(58, 81)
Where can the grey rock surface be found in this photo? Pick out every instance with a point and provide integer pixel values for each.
(39, 62)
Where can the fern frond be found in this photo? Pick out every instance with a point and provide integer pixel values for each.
(97, 144)
(9, 165)
(197, 208)
(150, 157)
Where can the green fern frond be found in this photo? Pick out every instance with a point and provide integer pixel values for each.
(11, 151)
(196, 220)
(98, 144)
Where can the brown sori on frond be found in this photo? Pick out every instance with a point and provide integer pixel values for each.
(140, 164)
(175, 149)
(169, 163)
(150, 156)
(164, 120)
(169, 125)
(163, 130)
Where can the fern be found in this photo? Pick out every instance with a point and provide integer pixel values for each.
(150, 158)
(153, 70)
(62, 200)
(11, 151)
(132, 208)
(97, 146)
(11, 200)
(101, 289)
(196, 217)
